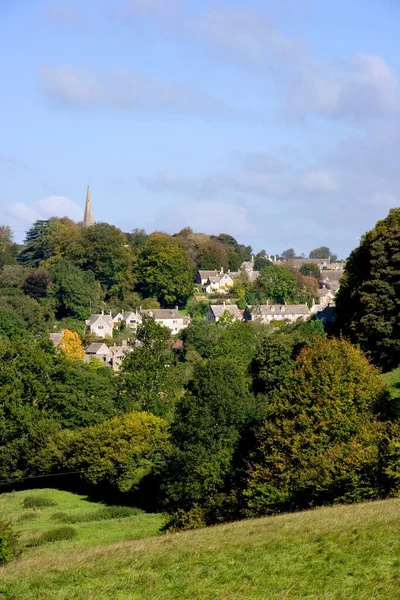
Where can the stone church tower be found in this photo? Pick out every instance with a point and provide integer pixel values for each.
(88, 219)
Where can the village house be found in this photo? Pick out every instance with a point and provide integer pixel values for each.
(218, 284)
(118, 353)
(132, 319)
(117, 318)
(168, 317)
(216, 311)
(266, 313)
(101, 325)
(98, 350)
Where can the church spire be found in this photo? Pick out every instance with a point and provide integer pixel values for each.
(88, 219)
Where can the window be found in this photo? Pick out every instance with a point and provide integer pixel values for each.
(100, 326)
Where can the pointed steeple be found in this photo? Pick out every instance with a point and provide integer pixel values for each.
(88, 219)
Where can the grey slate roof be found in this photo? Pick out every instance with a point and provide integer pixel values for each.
(279, 309)
(163, 313)
(93, 318)
(219, 309)
(56, 338)
(95, 347)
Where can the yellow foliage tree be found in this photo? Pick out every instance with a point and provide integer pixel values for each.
(71, 345)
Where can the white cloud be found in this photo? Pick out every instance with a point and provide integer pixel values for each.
(318, 181)
(367, 88)
(243, 34)
(23, 212)
(85, 89)
(51, 206)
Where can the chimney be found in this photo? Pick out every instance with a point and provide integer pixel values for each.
(102, 312)
(223, 303)
(222, 271)
(176, 308)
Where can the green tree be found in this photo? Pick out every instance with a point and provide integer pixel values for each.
(368, 301)
(77, 292)
(164, 271)
(321, 252)
(277, 284)
(120, 452)
(12, 326)
(205, 434)
(289, 253)
(321, 440)
(212, 254)
(151, 379)
(48, 239)
(310, 270)
(103, 249)
(12, 275)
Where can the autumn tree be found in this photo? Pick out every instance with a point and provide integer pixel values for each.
(71, 346)
(368, 301)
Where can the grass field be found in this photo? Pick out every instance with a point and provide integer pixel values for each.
(31, 523)
(392, 380)
(344, 552)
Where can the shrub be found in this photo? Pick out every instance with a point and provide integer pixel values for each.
(103, 514)
(9, 545)
(182, 520)
(38, 502)
(28, 516)
(57, 534)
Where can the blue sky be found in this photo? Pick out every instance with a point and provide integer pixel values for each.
(274, 121)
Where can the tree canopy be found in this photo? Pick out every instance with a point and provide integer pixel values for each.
(368, 301)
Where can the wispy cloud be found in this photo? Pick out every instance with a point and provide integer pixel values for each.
(51, 206)
(241, 33)
(82, 88)
(367, 88)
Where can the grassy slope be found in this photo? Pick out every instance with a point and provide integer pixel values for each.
(392, 380)
(344, 552)
(88, 534)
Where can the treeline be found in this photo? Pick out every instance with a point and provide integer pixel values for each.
(66, 272)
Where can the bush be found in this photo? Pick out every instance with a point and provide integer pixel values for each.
(103, 514)
(182, 520)
(58, 534)
(38, 502)
(27, 517)
(9, 546)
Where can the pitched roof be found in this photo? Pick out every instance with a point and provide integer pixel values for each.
(219, 309)
(274, 309)
(207, 274)
(98, 348)
(93, 318)
(298, 262)
(56, 338)
(163, 313)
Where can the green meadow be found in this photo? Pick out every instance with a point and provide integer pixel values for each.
(341, 552)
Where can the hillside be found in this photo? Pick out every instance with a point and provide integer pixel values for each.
(344, 552)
